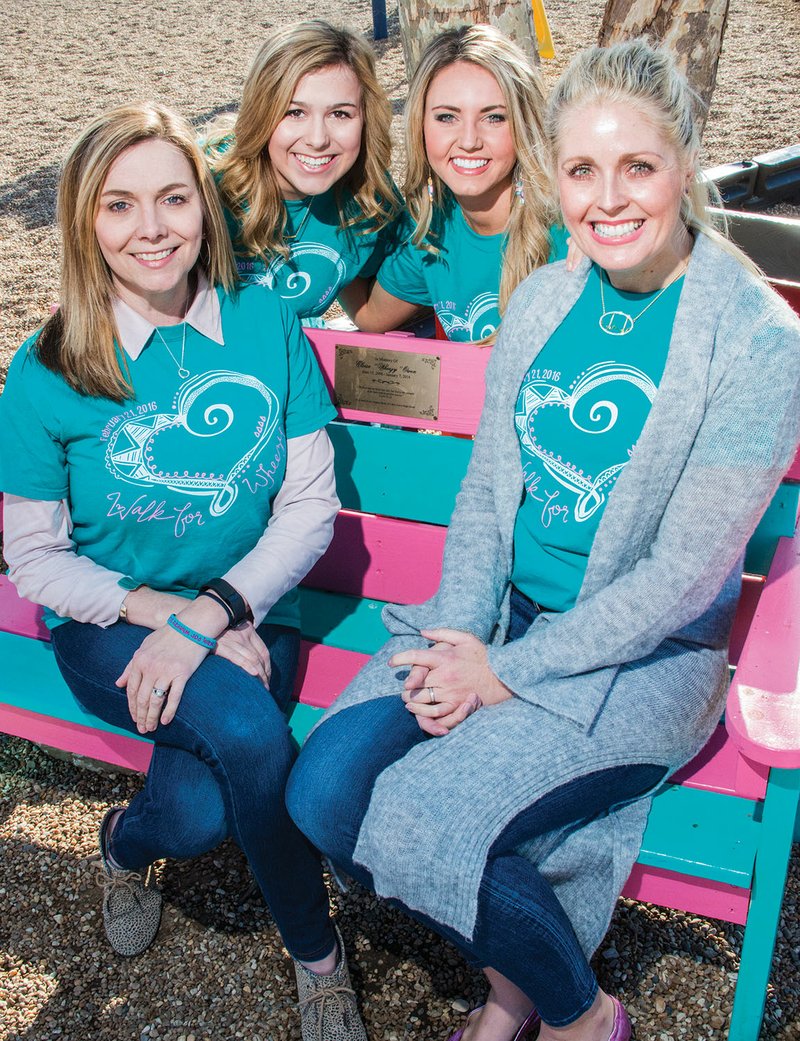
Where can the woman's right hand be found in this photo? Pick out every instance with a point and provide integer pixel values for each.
(245, 648)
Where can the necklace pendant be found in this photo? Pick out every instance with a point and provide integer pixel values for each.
(183, 373)
(616, 323)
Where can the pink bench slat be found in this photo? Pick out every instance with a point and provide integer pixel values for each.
(462, 369)
(324, 672)
(381, 558)
(683, 893)
(720, 767)
(793, 473)
(72, 737)
(763, 708)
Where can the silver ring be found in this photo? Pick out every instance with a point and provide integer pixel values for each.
(158, 692)
(431, 695)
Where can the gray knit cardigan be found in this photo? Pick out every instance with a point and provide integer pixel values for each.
(636, 671)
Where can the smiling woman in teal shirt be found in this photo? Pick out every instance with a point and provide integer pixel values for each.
(167, 482)
(479, 206)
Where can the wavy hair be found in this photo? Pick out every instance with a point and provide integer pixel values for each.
(527, 242)
(637, 73)
(78, 342)
(238, 148)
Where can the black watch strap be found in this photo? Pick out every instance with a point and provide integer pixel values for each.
(230, 597)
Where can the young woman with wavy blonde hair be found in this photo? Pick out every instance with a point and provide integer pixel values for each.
(303, 168)
(477, 193)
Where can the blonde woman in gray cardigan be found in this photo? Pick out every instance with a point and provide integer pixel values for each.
(490, 768)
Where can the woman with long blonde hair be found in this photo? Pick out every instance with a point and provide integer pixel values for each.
(490, 767)
(303, 168)
(479, 210)
(167, 482)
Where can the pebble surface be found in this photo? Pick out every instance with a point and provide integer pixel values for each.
(218, 971)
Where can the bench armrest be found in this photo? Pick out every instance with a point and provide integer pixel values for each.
(763, 709)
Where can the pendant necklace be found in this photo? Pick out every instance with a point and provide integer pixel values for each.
(301, 227)
(620, 323)
(183, 372)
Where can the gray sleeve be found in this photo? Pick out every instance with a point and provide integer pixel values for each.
(45, 568)
(299, 530)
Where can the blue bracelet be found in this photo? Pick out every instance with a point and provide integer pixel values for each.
(191, 634)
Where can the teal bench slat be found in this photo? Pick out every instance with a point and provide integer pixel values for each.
(703, 834)
(779, 520)
(343, 621)
(31, 681)
(398, 473)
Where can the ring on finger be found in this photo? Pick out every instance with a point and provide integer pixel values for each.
(431, 695)
(158, 692)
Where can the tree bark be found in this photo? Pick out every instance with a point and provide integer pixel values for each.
(691, 29)
(421, 20)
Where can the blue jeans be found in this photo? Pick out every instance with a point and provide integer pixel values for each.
(521, 929)
(218, 769)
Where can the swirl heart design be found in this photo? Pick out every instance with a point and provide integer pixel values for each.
(321, 267)
(206, 445)
(598, 418)
(453, 324)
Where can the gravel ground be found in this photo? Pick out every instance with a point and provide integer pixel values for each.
(218, 970)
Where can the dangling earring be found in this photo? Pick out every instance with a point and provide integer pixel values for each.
(430, 188)
(519, 188)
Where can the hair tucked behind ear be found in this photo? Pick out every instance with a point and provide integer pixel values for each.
(78, 342)
(528, 244)
(238, 148)
(637, 74)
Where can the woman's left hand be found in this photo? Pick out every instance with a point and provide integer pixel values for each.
(165, 660)
(458, 675)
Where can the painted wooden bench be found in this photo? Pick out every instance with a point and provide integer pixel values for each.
(719, 836)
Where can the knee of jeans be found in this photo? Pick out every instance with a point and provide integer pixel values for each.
(317, 806)
(239, 740)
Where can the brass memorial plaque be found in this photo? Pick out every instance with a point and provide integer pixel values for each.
(400, 383)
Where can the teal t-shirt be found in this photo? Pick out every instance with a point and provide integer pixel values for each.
(323, 256)
(581, 408)
(461, 282)
(175, 485)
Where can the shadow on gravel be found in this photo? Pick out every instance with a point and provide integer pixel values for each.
(32, 197)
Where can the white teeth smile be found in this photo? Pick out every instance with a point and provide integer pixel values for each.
(314, 162)
(616, 231)
(470, 164)
(156, 256)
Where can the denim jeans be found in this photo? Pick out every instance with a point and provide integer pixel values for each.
(521, 929)
(218, 769)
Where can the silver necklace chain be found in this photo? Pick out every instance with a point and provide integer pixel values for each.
(620, 323)
(183, 372)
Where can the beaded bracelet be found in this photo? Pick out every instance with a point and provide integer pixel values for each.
(191, 634)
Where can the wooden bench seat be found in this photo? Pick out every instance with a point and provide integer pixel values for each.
(719, 835)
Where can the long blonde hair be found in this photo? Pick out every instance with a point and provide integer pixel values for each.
(527, 242)
(78, 342)
(636, 73)
(238, 149)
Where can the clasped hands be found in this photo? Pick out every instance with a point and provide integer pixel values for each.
(456, 671)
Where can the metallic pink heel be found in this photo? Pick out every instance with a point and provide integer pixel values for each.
(532, 1021)
(621, 1031)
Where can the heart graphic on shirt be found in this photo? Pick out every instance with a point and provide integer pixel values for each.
(591, 418)
(309, 264)
(205, 445)
(475, 326)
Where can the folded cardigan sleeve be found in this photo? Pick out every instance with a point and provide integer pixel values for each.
(743, 447)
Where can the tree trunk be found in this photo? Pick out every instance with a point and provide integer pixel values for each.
(692, 29)
(421, 20)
